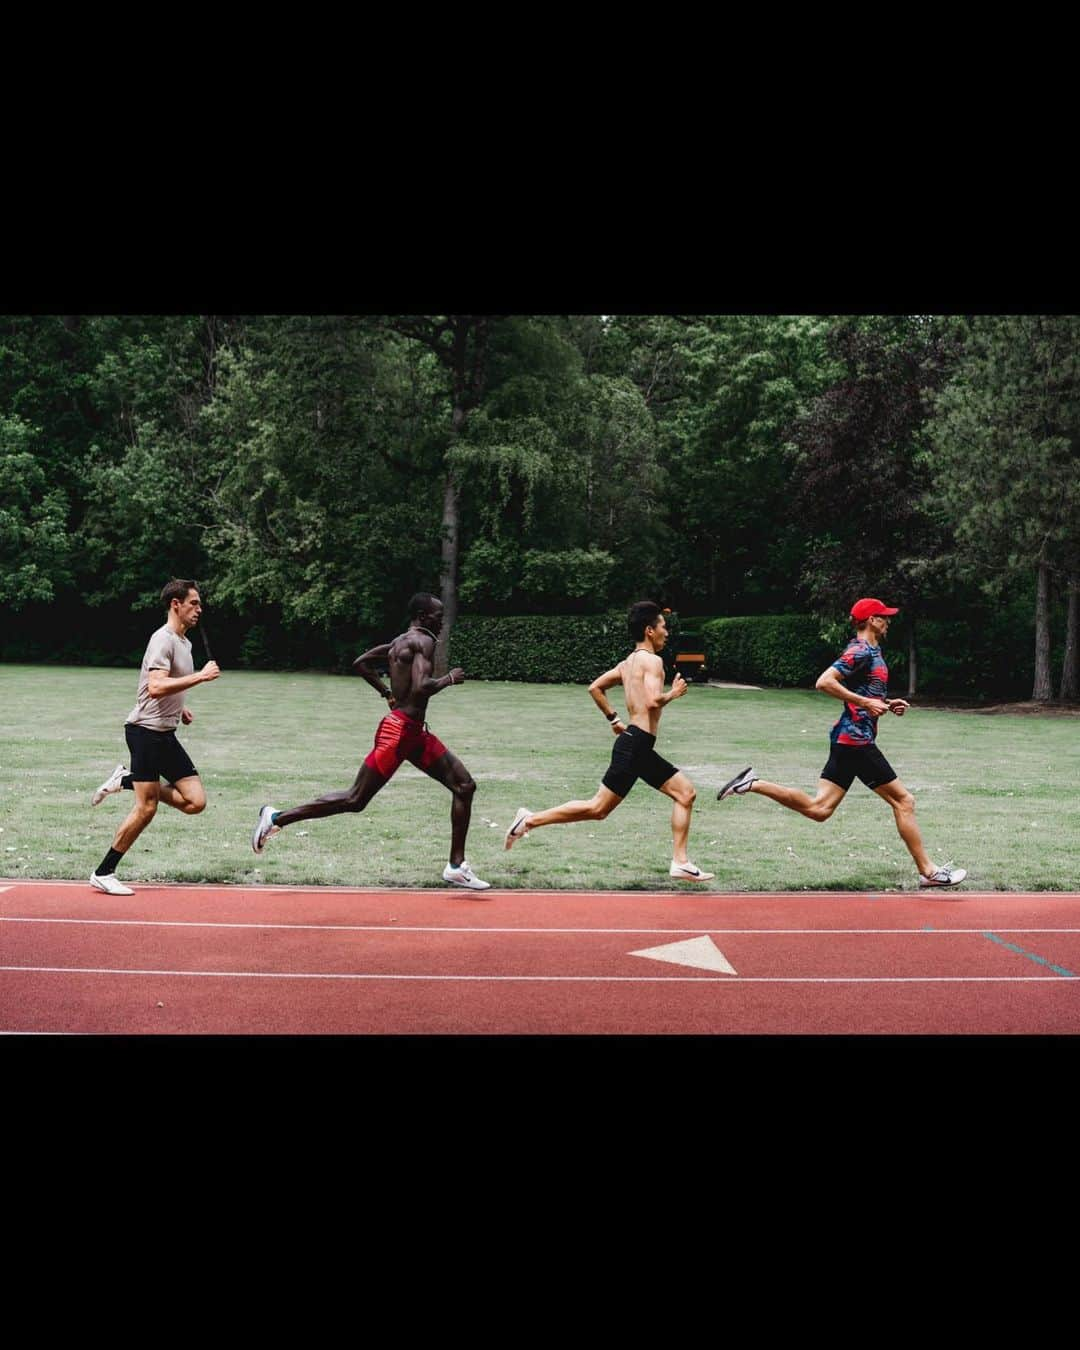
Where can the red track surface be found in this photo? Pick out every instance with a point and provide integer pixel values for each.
(184, 959)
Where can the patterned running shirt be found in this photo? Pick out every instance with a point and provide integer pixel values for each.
(862, 670)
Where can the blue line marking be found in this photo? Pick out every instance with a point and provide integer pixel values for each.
(1058, 970)
(928, 927)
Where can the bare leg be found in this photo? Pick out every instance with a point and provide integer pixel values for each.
(450, 771)
(368, 781)
(903, 805)
(137, 819)
(596, 808)
(186, 794)
(680, 789)
(829, 796)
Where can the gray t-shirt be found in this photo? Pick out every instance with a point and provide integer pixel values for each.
(170, 652)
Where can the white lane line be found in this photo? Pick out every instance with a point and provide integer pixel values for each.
(560, 979)
(463, 928)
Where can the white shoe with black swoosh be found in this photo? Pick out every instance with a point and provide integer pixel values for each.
(943, 876)
(518, 829)
(109, 885)
(688, 872)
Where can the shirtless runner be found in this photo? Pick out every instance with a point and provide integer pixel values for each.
(401, 735)
(633, 756)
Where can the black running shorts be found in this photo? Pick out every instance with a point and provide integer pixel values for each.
(864, 762)
(633, 757)
(157, 754)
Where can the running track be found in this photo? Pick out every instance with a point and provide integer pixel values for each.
(237, 960)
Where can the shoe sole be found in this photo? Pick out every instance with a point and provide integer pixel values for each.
(257, 845)
(729, 787)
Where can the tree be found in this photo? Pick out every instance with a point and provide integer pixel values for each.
(35, 548)
(459, 343)
(1006, 461)
(722, 390)
(324, 431)
(565, 499)
(859, 483)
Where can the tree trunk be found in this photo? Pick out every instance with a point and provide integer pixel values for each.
(911, 660)
(1043, 690)
(448, 577)
(1070, 666)
(466, 367)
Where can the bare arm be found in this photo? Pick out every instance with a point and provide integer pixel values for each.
(158, 684)
(422, 683)
(653, 685)
(364, 669)
(608, 680)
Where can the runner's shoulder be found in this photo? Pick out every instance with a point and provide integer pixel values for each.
(855, 648)
(412, 641)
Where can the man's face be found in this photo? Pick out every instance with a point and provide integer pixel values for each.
(879, 625)
(432, 620)
(189, 609)
(658, 634)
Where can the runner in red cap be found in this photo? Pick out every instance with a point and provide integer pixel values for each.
(859, 677)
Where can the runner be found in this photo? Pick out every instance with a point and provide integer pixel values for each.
(633, 755)
(859, 677)
(167, 672)
(401, 735)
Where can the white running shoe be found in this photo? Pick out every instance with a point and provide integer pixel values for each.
(264, 828)
(109, 885)
(111, 784)
(464, 876)
(739, 784)
(519, 829)
(688, 872)
(944, 876)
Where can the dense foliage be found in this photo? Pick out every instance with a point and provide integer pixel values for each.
(311, 472)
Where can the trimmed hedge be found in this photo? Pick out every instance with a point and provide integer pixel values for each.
(538, 648)
(768, 649)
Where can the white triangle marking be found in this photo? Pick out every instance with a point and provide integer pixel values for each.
(701, 952)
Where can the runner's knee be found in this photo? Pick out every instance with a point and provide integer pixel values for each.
(821, 811)
(465, 788)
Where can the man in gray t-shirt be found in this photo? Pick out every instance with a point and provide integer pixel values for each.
(170, 652)
(167, 672)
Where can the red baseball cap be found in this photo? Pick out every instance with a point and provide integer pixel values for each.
(867, 609)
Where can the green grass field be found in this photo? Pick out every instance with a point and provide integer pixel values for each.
(999, 795)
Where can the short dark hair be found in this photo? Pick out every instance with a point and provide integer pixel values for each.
(177, 590)
(642, 615)
(421, 604)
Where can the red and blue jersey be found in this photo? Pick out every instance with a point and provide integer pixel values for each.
(862, 670)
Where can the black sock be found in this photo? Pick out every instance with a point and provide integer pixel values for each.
(108, 864)
(126, 782)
